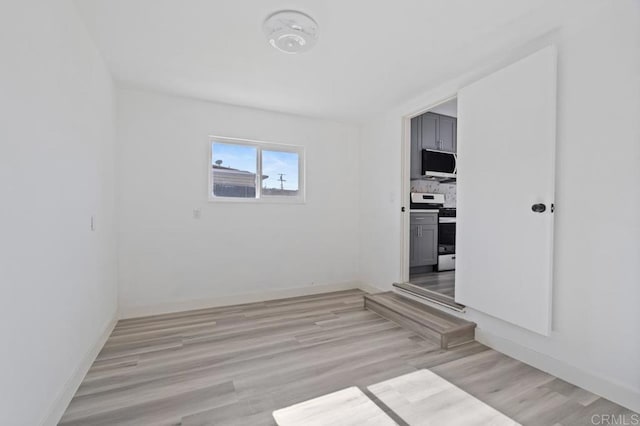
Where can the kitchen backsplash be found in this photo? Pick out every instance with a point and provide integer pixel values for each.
(448, 189)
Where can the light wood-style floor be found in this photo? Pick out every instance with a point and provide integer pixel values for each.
(235, 365)
(439, 282)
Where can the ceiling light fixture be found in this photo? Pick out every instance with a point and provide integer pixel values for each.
(290, 31)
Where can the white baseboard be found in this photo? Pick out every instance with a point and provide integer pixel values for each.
(57, 409)
(369, 288)
(237, 299)
(616, 392)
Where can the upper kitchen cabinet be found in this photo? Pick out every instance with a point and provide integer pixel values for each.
(431, 131)
(447, 133)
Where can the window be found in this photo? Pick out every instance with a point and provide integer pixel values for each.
(243, 170)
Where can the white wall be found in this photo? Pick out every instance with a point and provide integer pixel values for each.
(57, 278)
(596, 320)
(449, 108)
(168, 260)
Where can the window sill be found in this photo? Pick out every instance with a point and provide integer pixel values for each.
(270, 200)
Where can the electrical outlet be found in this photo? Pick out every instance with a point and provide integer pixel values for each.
(196, 213)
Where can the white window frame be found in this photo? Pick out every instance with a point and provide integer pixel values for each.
(260, 146)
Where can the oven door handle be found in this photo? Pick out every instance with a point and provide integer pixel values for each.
(446, 220)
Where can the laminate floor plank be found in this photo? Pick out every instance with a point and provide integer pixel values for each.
(235, 365)
(439, 282)
(168, 409)
(162, 330)
(347, 407)
(572, 392)
(423, 398)
(239, 364)
(317, 373)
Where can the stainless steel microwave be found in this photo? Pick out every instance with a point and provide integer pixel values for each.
(439, 164)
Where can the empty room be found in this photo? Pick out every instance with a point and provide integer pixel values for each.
(267, 212)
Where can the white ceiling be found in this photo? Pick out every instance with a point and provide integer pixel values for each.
(370, 54)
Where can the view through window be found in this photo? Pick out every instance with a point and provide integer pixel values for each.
(280, 173)
(255, 170)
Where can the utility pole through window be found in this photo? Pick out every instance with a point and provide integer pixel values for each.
(282, 181)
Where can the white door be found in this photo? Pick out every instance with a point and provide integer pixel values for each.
(506, 165)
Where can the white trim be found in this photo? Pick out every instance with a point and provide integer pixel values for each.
(238, 299)
(260, 146)
(405, 198)
(616, 392)
(61, 402)
(254, 142)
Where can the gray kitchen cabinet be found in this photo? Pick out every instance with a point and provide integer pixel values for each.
(413, 252)
(423, 247)
(447, 133)
(431, 131)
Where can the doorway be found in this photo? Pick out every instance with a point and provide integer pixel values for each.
(432, 184)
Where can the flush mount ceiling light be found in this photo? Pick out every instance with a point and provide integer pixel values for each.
(290, 31)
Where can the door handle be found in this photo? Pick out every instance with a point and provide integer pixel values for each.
(538, 208)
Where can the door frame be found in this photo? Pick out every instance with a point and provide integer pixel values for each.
(405, 176)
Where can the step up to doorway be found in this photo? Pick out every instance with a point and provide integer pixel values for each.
(424, 320)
